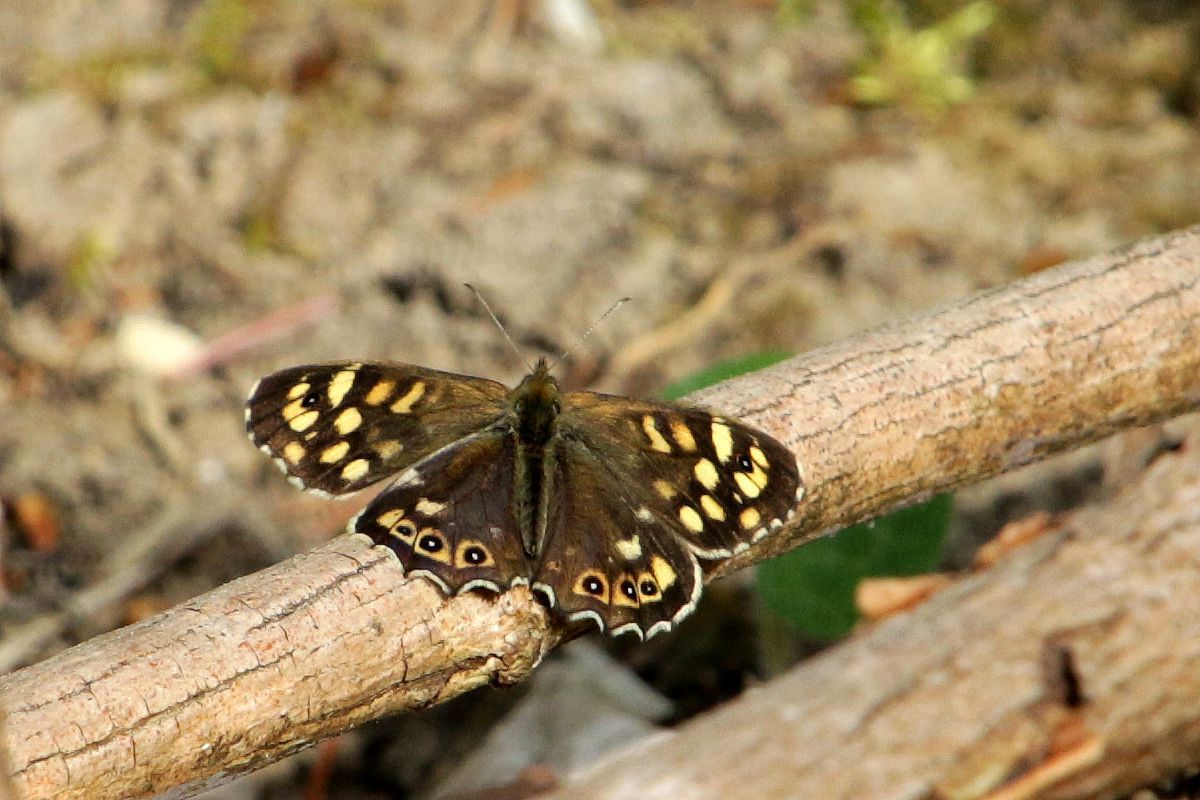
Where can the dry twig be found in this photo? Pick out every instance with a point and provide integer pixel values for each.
(267, 664)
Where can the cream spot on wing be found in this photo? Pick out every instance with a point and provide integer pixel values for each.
(664, 574)
(338, 387)
(592, 584)
(657, 442)
(430, 508)
(389, 518)
(630, 549)
(691, 519)
(294, 452)
(348, 421)
(759, 457)
(387, 449)
(299, 390)
(706, 473)
(712, 508)
(759, 476)
(683, 436)
(471, 554)
(748, 487)
(379, 392)
(644, 514)
(665, 490)
(749, 518)
(646, 581)
(405, 404)
(335, 452)
(293, 409)
(722, 439)
(439, 551)
(303, 421)
(355, 470)
(625, 592)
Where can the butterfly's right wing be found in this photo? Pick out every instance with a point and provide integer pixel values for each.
(450, 517)
(335, 428)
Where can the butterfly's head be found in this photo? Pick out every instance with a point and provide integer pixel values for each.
(537, 402)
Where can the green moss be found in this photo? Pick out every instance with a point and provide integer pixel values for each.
(219, 29)
(923, 67)
(91, 253)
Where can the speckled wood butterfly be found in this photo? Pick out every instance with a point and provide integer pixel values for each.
(603, 505)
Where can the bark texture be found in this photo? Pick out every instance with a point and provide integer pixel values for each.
(268, 664)
(998, 380)
(253, 671)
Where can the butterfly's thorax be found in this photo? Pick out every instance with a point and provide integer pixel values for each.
(535, 405)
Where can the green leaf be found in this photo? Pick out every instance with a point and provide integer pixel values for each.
(813, 586)
(723, 371)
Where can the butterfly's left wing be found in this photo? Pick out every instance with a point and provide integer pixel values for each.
(450, 517)
(336, 428)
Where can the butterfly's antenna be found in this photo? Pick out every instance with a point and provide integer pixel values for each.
(499, 324)
(588, 332)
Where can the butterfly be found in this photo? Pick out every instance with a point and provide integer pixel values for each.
(605, 506)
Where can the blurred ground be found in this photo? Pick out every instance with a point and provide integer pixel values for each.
(194, 193)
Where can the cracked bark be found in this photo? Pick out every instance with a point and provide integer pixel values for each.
(264, 666)
(254, 671)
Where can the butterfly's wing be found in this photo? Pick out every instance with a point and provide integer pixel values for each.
(604, 558)
(450, 517)
(717, 484)
(335, 428)
(639, 493)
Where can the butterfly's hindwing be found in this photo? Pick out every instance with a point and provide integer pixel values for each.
(336, 428)
(716, 483)
(450, 516)
(606, 558)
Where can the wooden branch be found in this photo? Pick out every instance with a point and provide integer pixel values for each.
(1069, 670)
(264, 666)
(998, 380)
(254, 671)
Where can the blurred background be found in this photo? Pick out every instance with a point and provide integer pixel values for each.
(195, 193)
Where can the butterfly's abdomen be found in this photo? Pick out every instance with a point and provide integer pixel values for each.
(536, 404)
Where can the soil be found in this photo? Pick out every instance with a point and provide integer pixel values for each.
(195, 193)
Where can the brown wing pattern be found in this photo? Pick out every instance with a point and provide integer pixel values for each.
(606, 560)
(636, 494)
(449, 517)
(335, 428)
(716, 483)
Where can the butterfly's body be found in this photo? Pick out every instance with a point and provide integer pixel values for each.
(602, 504)
(534, 407)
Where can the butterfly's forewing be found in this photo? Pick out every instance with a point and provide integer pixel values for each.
(716, 483)
(336, 428)
(450, 516)
(607, 560)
